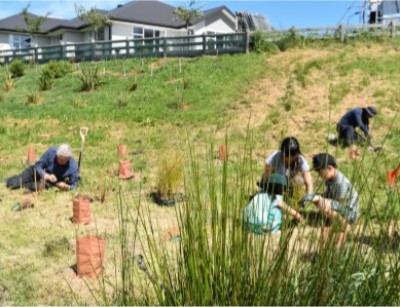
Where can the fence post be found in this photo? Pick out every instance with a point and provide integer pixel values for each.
(63, 51)
(342, 33)
(392, 29)
(164, 47)
(92, 50)
(204, 44)
(247, 42)
(127, 47)
(35, 50)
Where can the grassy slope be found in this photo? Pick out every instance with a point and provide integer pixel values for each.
(38, 245)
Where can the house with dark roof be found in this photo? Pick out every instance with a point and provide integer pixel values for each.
(133, 20)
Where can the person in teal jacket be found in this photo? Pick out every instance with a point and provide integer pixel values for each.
(265, 211)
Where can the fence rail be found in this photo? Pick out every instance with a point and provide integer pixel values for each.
(150, 47)
(342, 31)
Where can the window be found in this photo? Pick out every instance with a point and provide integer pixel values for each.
(20, 41)
(139, 33)
(100, 34)
(148, 33)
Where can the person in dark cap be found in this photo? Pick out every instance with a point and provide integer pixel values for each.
(56, 168)
(357, 117)
(289, 162)
(264, 212)
(340, 199)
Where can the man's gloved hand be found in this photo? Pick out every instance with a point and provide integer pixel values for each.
(306, 199)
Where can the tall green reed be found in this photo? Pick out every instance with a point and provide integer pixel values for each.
(218, 263)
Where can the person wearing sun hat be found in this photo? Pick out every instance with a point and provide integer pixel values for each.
(355, 118)
(264, 212)
(56, 167)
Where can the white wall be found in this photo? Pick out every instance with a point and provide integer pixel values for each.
(43, 41)
(122, 30)
(4, 42)
(72, 37)
(218, 23)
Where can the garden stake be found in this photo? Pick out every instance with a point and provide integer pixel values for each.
(83, 132)
(392, 175)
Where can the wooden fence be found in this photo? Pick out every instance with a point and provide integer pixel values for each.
(186, 46)
(341, 32)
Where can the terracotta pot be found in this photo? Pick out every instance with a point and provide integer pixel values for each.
(122, 151)
(221, 152)
(125, 170)
(81, 210)
(90, 256)
(31, 155)
(392, 175)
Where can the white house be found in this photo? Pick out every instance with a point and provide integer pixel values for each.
(136, 19)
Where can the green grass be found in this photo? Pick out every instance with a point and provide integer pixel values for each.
(191, 111)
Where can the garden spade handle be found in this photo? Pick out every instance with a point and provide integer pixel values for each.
(83, 132)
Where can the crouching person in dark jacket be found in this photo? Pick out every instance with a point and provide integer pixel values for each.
(56, 168)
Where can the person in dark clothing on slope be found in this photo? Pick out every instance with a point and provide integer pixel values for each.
(56, 167)
(357, 117)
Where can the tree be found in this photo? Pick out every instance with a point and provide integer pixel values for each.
(33, 24)
(188, 12)
(93, 17)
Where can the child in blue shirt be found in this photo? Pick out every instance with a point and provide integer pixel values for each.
(264, 212)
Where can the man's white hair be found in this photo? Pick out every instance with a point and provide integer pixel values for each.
(64, 150)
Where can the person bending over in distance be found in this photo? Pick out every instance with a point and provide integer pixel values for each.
(56, 167)
(291, 163)
(264, 212)
(357, 117)
(340, 200)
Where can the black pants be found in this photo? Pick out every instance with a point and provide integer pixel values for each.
(28, 179)
(348, 135)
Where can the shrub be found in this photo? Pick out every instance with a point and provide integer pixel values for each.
(58, 69)
(259, 43)
(8, 82)
(291, 40)
(170, 173)
(33, 97)
(89, 78)
(45, 82)
(16, 68)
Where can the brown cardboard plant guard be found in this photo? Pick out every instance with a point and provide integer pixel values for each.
(125, 170)
(81, 210)
(90, 252)
(31, 155)
(122, 151)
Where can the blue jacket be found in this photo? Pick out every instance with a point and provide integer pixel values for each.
(354, 118)
(48, 163)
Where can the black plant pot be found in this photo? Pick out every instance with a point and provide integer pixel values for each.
(167, 201)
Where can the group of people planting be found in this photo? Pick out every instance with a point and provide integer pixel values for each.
(283, 170)
(287, 168)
